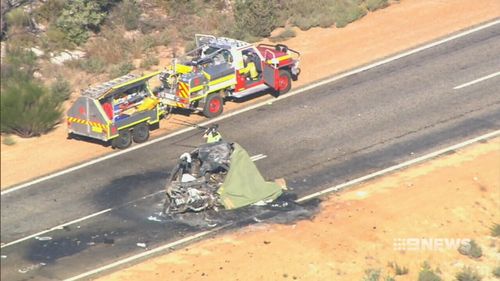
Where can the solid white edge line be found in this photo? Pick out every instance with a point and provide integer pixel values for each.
(144, 254)
(230, 114)
(316, 194)
(400, 166)
(477, 80)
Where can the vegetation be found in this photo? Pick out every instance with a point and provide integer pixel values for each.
(286, 34)
(372, 275)
(27, 107)
(496, 271)
(373, 5)
(398, 270)
(495, 230)
(428, 274)
(8, 140)
(468, 274)
(471, 249)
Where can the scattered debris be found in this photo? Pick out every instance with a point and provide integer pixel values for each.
(154, 218)
(109, 240)
(4, 256)
(43, 238)
(28, 268)
(142, 245)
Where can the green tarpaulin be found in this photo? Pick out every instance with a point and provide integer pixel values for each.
(244, 185)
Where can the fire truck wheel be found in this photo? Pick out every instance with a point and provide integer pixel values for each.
(284, 81)
(213, 106)
(140, 133)
(123, 140)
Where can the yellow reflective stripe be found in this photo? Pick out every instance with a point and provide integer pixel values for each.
(285, 57)
(222, 79)
(197, 88)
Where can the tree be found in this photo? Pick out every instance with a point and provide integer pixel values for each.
(79, 17)
(257, 17)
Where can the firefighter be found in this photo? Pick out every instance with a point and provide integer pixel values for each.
(250, 69)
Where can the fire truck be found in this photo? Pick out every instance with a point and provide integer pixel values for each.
(220, 68)
(123, 110)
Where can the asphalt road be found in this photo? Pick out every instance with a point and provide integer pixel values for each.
(326, 136)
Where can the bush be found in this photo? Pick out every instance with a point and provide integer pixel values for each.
(347, 11)
(27, 109)
(8, 140)
(121, 69)
(55, 39)
(427, 274)
(129, 13)
(372, 275)
(18, 18)
(80, 16)
(471, 249)
(398, 270)
(51, 10)
(60, 89)
(496, 271)
(373, 5)
(149, 61)
(467, 274)
(284, 35)
(92, 65)
(495, 230)
(257, 18)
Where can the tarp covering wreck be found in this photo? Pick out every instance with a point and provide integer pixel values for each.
(244, 185)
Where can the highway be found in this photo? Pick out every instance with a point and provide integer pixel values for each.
(325, 136)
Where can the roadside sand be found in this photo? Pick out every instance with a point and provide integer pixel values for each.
(324, 52)
(455, 196)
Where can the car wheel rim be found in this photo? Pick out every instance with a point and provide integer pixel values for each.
(214, 106)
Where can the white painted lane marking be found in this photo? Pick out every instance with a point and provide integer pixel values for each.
(258, 157)
(76, 221)
(263, 103)
(477, 80)
(253, 158)
(400, 166)
(317, 194)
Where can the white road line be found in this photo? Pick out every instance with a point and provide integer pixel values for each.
(75, 221)
(400, 166)
(477, 80)
(258, 157)
(237, 112)
(253, 158)
(145, 254)
(313, 195)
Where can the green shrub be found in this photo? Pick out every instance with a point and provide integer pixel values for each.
(27, 108)
(18, 17)
(496, 271)
(373, 5)
(79, 17)
(495, 230)
(121, 69)
(468, 274)
(60, 89)
(347, 11)
(55, 39)
(18, 58)
(398, 270)
(149, 61)
(471, 249)
(287, 33)
(257, 18)
(51, 10)
(372, 275)
(8, 140)
(92, 65)
(428, 274)
(306, 14)
(129, 11)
